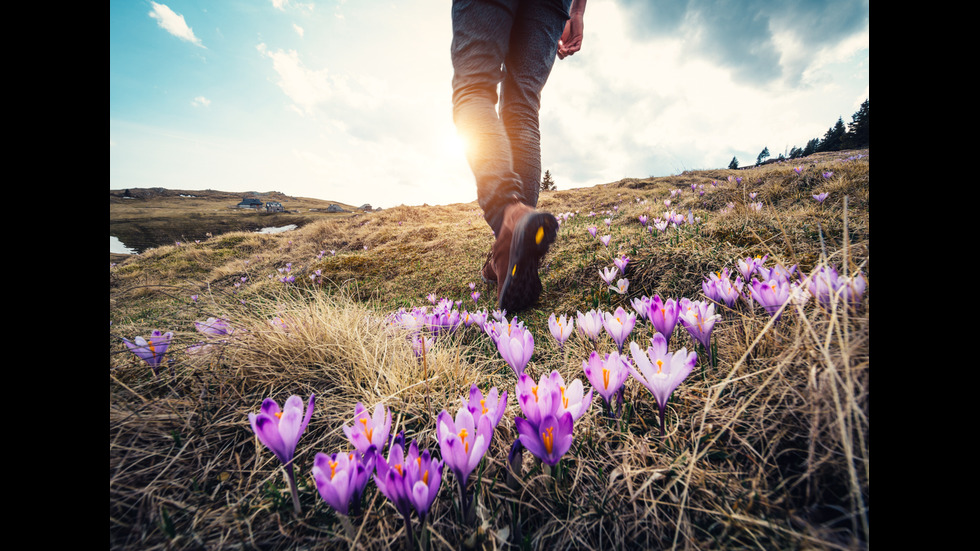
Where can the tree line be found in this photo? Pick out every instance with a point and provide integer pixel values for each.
(837, 138)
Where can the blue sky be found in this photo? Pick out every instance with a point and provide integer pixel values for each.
(350, 100)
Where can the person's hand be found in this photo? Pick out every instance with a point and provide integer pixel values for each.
(571, 38)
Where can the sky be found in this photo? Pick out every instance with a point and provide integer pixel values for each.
(351, 100)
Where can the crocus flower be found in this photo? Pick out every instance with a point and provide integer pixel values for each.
(663, 315)
(560, 328)
(571, 397)
(605, 239)
(749, 265)
(608, 274)
(369, 430)
(280, 431)
(820, 196)
(516, 348)
(621, 286)
(606, 375)
(772, 294)
(340, 478)
(828, 174)
(719, 287)
(590, 324)
(642, 307)
(643, 219)
(463, 441)
(621, 262)
(491, 405)
(151, 350)
(698, 317)
(475, 296)
(619, 324)
(214, 327)
(423, 476)
(660, 371)
(825, 284)
(549, 439)
(593, 230)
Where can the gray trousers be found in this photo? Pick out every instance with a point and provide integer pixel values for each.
(512, 42)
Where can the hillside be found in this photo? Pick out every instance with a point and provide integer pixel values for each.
(143, 218)
(764, 445)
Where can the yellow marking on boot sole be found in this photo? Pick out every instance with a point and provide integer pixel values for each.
(513, 271)
(539, 236)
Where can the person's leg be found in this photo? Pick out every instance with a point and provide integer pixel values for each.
(481, 36)
(531, 55)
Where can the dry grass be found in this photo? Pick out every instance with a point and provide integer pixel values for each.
(767, 449)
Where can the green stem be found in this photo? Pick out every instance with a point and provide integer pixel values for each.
(291, 479)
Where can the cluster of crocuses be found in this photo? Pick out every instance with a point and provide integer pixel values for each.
(655, 368)
(152, 349)
(409, 478)
(772, 288)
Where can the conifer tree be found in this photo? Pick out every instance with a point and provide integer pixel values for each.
(762, 156)
(857, 130)
(833, 140)
(734, 164)
(547, 184)
(812, 146)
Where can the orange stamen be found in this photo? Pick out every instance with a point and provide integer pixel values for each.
(462, 437)
(333, 469)
(367, 431)
(549, 439)
(605, 378)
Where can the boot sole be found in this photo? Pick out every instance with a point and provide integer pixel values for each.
(532, 237)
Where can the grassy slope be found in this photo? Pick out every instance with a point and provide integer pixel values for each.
(767, 449)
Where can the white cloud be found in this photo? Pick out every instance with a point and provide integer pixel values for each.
(201, 101)
(174, 23)
(298, 29)
(305, 87)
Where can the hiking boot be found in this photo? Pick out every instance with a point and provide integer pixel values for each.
(524, 238)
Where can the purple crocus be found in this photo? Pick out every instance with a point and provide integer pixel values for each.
(605, 239)
(340, 478)
(549, 439)
(719, 287)
(820, 196)
(593, 230)
(621, 262)
(749, 266)
(463, 441)
(660, 371)
(369, 430)
(151, 350)
(607, 375)
(409, 481)
(280, 431)
(214, 327)
(561, 328)
(771, 294)
(516, 347)
(698, 317)
(827, 286)
(608, 274)
(663, 315)
(492, 405)
(621, 286)
(590, 324)
(642, 307)
(619, 324)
